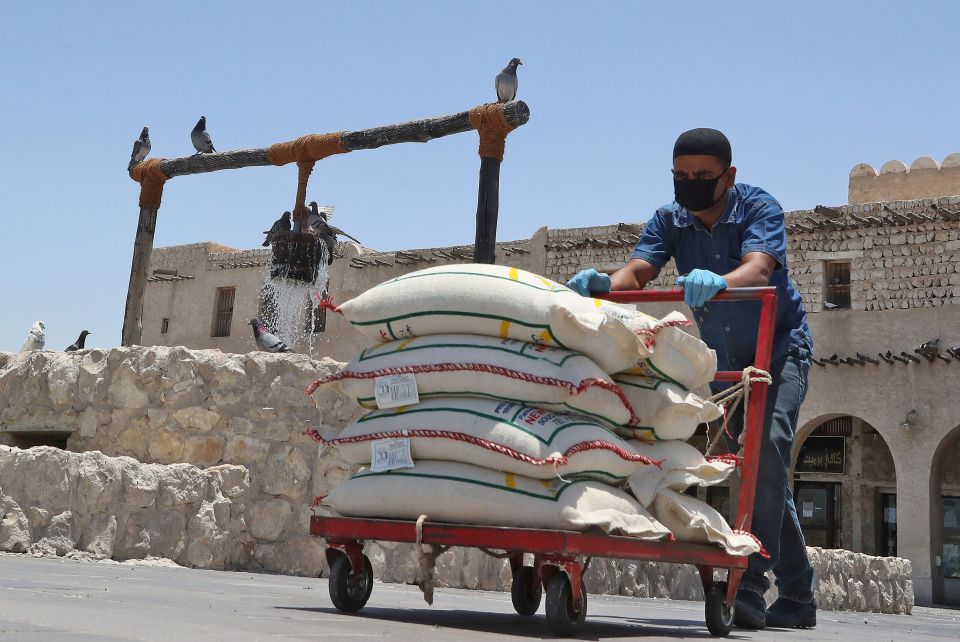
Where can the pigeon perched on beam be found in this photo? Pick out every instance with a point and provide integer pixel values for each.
(506, 82)
(36, 338)
(266, 340)
(279, 226)
(78, 344)
(200, 138)
(141, 147)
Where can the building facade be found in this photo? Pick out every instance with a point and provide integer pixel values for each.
(877, 454)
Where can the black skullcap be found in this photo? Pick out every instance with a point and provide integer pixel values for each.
(703, 141)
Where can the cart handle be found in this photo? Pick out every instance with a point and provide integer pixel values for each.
(753, 426)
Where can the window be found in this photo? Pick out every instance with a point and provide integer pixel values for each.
(164, 325)
(887, 544)
(836, 275)
(223, 312)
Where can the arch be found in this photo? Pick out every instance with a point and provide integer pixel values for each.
(924, 162)
(894, 167)
(944, 543)
(863, 169)
(858, 480)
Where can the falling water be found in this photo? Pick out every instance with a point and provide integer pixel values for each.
(288, 306)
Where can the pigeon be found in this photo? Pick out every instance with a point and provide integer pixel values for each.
(78, 344)
(141, 147)
(506, 82)
(279, 226)
(36, 338)
(266, 340)
(200, 138)
(318, 215)
(830, 306)
(325, 231)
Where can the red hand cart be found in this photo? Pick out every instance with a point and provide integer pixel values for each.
(559, 555)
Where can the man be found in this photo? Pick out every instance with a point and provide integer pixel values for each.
(725, 234)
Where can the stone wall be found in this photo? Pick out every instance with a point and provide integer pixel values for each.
(924, 178)
(173, 405)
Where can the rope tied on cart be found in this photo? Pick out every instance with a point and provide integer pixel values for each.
(427, 561)
(730, 399)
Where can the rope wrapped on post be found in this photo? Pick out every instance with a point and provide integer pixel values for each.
(491, 123)
(151, 179)
(305, 151)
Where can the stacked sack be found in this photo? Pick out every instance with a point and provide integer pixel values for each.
(491, 403)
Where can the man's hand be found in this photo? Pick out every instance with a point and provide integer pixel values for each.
(589, 282)
(700, 286)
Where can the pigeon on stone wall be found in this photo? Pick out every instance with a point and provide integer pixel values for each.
(78, 344)
(141, 147)
(200, 138)
(506, 82)
(267, 341)
(282, 224)
(36, 338)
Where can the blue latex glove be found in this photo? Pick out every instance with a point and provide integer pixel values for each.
(700, 286)
(589, 282)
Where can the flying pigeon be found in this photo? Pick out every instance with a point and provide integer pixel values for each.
(141, 147)
(325, 231)
(280, 225)
(78, 344)
(506, 82)
(266, 340)
(200, 138)
(36, 338)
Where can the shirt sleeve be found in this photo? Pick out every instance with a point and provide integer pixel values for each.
(764, 230)
(654, 245)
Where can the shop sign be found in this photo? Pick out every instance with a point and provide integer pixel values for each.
(822, 455)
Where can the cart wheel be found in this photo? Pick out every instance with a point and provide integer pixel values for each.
(347, 591)
(560, 615)
(526, 591)
(719, 613)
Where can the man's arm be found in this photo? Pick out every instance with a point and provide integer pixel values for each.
(634, 275)
(754, 271)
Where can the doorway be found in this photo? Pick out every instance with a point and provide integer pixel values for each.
(818, 507)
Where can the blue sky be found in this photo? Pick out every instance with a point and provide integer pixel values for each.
(804, 90)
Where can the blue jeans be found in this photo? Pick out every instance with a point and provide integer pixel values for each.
(775, 520)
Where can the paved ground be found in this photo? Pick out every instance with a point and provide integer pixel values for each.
(58, 599)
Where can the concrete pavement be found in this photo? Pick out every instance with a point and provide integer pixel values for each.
(61, 599)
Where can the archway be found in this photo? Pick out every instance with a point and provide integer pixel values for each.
(945, 519)
(844, 485)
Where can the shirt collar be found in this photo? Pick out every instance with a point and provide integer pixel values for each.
(683, 218)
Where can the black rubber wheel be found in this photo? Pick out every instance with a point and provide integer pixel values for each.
(347, 591)
(561, 617)
(719, 613)
(526, 591)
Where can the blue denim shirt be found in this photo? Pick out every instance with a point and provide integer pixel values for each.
(752, 222)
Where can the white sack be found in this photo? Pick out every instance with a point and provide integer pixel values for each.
(681, 466)
(663, 410)
(691, 520)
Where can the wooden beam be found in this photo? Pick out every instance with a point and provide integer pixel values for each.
(415, 131)
(132, 333)
(488, 208)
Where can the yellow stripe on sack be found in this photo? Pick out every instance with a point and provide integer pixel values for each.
(545, 337)
(403, 345)
(514, 274)
(597, 303)
(510, 480)
(547, 483)
(504, 329)
(547, 282)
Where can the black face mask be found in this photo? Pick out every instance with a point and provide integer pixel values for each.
(696, 194)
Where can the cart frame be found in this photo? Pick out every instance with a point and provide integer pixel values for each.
(568, 552)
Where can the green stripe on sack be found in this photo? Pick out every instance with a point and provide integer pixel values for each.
(364, 356)
(629, 384)
(373, 416)
(390, 320)
(662, 375)
(564, 485)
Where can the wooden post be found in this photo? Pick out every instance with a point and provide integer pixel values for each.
(488, 207)
(516, 114)
(132, 333)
